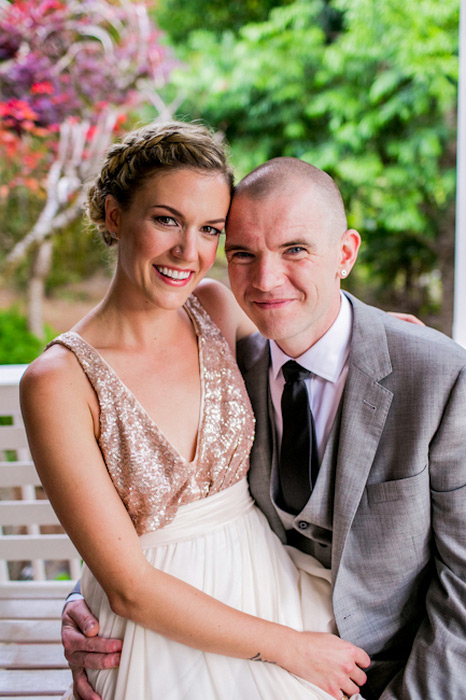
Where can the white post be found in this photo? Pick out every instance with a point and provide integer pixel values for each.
(459, 315)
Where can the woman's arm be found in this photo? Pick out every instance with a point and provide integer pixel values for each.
(59, 413)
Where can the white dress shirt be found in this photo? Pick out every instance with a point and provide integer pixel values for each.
(328, 360)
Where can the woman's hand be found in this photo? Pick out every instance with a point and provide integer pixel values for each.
(409, 318)
(327, 661)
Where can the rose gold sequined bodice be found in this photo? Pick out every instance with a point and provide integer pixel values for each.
(151, 477)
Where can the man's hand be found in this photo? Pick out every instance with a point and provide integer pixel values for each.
(84, 649)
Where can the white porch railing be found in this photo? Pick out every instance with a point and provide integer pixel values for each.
(30, 532)
(34, 550)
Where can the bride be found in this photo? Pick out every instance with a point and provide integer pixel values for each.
(140, 427)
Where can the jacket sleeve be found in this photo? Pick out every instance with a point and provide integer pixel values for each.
(436, 666)
(75, 594)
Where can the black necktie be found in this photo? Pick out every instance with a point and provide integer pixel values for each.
(299, 462)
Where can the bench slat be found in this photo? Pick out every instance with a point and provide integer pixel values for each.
(19, 473)
(33, 656)
(27, 513)
(36, 697)
(35, 589)
(10, 375)
(13, 437)
(32, 664)
(10, 400)
(14, 683)
(30, 630)
(30, 609)
(28, 547)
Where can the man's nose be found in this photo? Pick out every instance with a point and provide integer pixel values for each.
(267, 274)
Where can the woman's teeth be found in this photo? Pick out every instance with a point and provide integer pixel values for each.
(174, 274)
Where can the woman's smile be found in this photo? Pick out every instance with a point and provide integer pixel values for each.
(174, 276)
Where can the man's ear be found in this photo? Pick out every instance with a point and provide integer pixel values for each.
(112, 215)
(349, 246)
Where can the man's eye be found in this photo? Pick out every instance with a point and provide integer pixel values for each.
(295, 250)
(239, 255)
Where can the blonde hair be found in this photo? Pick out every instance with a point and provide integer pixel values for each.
(146, 151)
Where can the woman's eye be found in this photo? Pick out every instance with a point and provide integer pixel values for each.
(211, 230)
(166, 220)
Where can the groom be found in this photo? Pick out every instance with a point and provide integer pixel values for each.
(383, 500)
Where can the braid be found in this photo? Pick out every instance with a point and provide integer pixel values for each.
(142, 153)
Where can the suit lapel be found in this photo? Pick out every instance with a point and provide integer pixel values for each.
(254, 360)
(364, 411)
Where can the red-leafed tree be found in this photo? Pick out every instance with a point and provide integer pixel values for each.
(70, 72)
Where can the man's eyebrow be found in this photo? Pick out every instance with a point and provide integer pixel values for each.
(296, 242)
(231, 247)
(304, 242)
(178, 213)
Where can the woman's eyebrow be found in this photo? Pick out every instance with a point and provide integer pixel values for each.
(174, 211)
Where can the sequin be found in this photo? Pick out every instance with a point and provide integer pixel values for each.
(151, 477)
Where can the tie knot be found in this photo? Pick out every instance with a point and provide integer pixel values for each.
(294, 372)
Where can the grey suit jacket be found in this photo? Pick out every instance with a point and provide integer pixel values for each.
(399, 529)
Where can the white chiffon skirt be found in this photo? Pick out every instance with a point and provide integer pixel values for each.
(224, 546)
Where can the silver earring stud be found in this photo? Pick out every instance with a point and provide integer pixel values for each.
(343, 273)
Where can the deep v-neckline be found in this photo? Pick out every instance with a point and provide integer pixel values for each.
(138, 405)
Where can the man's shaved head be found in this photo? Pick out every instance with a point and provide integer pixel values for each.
(288, 246)
(287, 175)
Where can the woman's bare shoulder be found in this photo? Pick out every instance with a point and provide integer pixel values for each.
(222, 306)
(53, 371)
(214, 296)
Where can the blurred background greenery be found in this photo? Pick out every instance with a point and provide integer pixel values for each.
(364, 89)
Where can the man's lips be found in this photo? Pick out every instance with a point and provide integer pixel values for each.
(271, 303)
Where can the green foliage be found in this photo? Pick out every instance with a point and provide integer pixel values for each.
(178, 18)
(17, 344)
(19, 207)
(62, 576)
(79, 253)
(364, 90)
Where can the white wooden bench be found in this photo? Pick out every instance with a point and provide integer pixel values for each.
(34, 547)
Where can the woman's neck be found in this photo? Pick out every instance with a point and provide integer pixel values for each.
(125, 322)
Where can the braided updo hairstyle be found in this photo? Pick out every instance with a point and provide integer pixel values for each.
(145, 151)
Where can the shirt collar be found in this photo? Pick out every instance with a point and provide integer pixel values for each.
(328, 356)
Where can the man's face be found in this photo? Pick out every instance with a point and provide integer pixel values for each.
(284, 261)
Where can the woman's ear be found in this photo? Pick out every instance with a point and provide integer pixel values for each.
(112, 216)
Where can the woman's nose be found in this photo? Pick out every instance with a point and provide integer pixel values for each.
(186, 247)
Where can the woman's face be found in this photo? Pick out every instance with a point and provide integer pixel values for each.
(168, 236)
